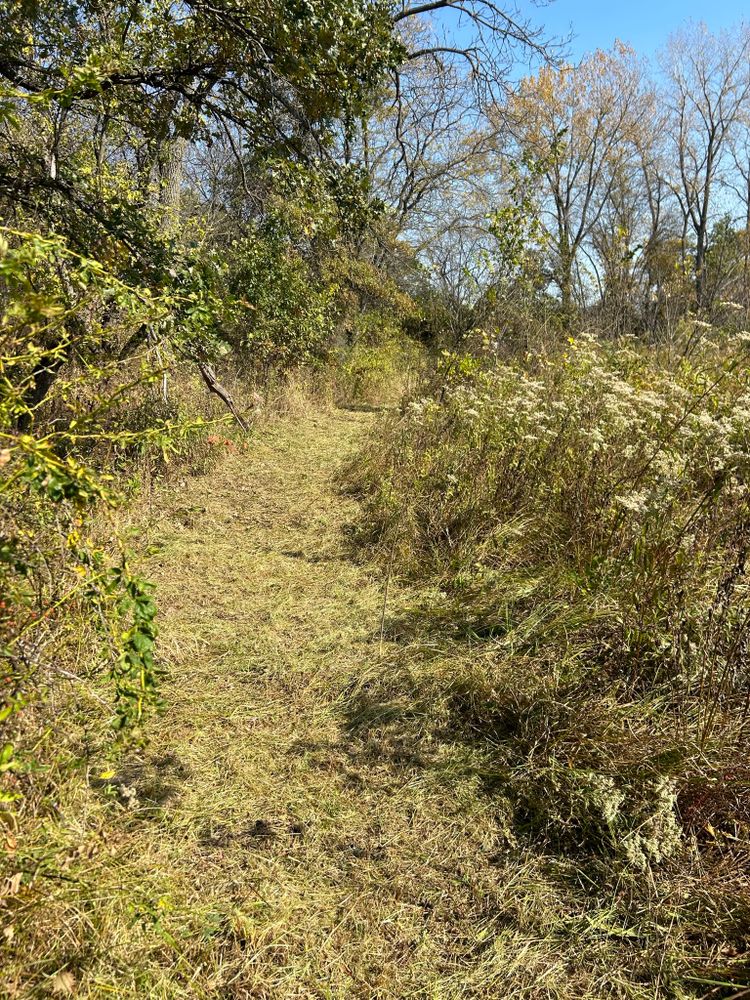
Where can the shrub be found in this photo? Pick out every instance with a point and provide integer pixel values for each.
(376, 369)
(65, 578)
(284, 319)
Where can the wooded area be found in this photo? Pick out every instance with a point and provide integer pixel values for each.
(225, 226)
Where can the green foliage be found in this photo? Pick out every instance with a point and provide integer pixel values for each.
(157, 75)
(374, 373)
(519, 235)
(62, 401)
(283, 318)
(135, 672)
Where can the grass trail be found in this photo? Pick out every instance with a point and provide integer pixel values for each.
(276, 849)
(267, 621)
(304, 823)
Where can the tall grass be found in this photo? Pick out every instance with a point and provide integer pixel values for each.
(601, 484)
(575, 526)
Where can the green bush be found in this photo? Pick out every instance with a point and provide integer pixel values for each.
(71, 421)
(284, 318)
(373, 371)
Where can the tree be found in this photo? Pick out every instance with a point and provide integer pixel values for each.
(579, 123)
(100, 103)
(708, 85)
(282, 74)
(424, 142)
(484, 35)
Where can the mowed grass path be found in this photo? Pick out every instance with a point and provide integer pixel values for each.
(317, 813)
(314, 814)
(275, 847)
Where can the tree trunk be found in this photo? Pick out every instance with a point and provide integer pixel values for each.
(566, 286)
(170, 170)
(700, 268)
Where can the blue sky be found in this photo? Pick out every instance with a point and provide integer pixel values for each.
(644, 24)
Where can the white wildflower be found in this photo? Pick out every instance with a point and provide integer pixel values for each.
(637, 502)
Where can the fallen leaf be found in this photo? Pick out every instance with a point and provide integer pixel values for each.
(64, 983)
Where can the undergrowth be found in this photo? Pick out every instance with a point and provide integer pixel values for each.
(573, 533)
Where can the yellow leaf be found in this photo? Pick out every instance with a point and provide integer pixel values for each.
(107, 774)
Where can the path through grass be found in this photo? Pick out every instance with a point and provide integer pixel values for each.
(267, 847)
(298, 827)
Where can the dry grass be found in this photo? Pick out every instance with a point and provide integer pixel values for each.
(305, 822)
